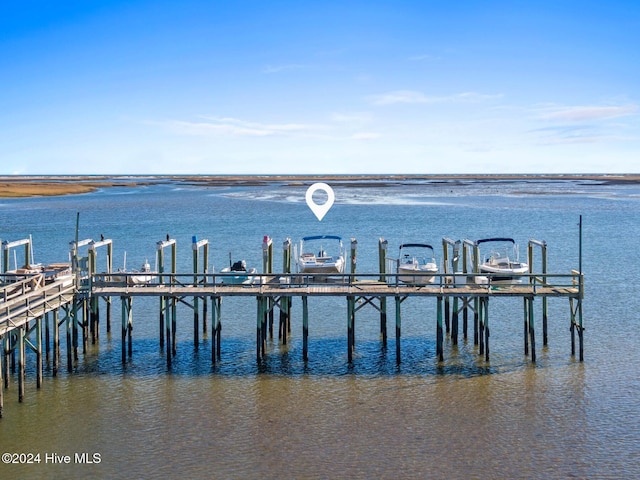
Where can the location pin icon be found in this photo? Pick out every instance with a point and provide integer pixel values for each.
(320, 210)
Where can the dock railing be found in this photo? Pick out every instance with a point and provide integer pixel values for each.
(446, 283)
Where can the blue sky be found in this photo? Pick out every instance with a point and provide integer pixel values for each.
(256, 87)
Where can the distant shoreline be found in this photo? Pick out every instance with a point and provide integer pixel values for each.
(54, 185)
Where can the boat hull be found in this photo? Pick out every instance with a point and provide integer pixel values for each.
(505, 275)
(238, 278)
(413, 275)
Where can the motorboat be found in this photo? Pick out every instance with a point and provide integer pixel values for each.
(135, 277)
(499, 259)
(416, 263)
(321, 262)
(238, 274)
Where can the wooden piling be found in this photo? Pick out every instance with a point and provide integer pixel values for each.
(56, 342)
(284, 328)
(39, 352)
(439, 330)
(6, 344)
(305, 329)
(351, 340)
(21, 363)
(47, 337)
(398, 324)
(382, 267)
(216, 328)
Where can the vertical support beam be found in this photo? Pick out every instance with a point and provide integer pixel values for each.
(123, 329)
(572, 327)
(130, 327)
(398, 325)
(216, 328)
(439, 331)
(350, 327)
(260, 347)
(476, 307)
(5, 354)
(39, 352)
(267, 269)
(480, 316)
(195, 247)
(214, 332)
(56, 342)
(382, 266)
(485, 300)
(205, 271)
(174, 325)
(353, 258)
(285, 302)
(47, 337)
(69, 324)
(526, 326)
(21, 365)
(454, 322)
(168, 339)
(85, 326)
(465, 319)
(164, 303)
(581, 293)
(532, 331)
(305, 329)
(109, 270)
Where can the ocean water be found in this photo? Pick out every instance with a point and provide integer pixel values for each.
(328, 418)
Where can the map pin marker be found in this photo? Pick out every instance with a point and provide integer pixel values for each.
(320, 210)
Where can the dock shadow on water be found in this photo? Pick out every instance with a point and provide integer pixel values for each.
(327, 357)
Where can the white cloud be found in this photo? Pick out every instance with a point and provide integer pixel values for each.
(228, 126)
(586, 113)
(415, 97)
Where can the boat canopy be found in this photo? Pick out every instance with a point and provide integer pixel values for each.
(322, 237)
(497, 239)
(413, 245)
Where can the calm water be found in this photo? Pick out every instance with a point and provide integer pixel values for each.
(327, 418)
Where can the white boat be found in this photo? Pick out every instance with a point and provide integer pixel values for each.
(135, 277)
(417, 264)
(499, 259)
(320, 262)
(238, 274)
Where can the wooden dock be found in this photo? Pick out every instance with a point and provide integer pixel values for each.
(29, 305)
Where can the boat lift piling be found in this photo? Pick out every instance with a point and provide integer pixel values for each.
(285, 302)
(196, 246)
(94, 301)
(450, 264)
(383, 245)
(167, 317)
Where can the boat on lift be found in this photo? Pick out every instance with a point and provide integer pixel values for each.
(499, 259)
(135, 277)
(321, 262)
(417, 263)
(237, 273)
